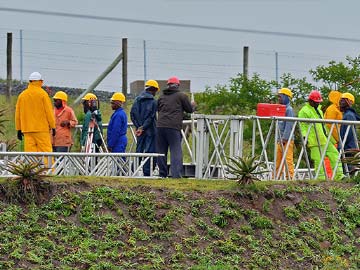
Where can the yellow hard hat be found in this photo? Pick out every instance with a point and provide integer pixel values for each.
(152, 83)
(118, 96)
(286, 91)
(349, 97)
(61, 95)
(89, 96)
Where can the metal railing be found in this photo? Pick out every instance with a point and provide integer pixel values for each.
(214, 138)
(95, 164)
(188, 126)
(220, 137)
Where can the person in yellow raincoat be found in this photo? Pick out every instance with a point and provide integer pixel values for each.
(34, 116)
(333, 112)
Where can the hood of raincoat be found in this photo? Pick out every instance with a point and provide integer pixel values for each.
(334, 97)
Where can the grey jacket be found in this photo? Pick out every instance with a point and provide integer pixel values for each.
(171, 107)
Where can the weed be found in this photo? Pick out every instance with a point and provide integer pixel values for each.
(261, 222)
(220, 221)
(178, 195)
(246, 229)
(291, 212)
(266, 205)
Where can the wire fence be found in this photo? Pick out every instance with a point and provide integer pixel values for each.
(76, 60)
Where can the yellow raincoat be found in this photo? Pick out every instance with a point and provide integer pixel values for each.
(34, 116)
(333, 112)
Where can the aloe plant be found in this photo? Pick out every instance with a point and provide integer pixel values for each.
(28, 184)
(244, 170)
(352, 158)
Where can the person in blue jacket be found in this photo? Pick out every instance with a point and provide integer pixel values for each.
(143, 116)
(349, 114)
(117, 128)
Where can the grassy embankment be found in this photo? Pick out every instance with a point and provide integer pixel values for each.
(103, 223)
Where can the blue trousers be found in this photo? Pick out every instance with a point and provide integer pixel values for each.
(146, 144)
(169, 138)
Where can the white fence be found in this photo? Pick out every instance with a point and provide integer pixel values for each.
(214, 139)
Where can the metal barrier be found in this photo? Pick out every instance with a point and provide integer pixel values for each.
(188, 126)
(220, 137)
(214, 139)
(96, 164)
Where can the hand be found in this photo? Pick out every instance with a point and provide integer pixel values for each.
(139, 132)
(82, 149)
(53, 132)
(65, 123)
(19, 135)
(193, 106)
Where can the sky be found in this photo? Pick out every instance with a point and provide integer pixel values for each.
(72, 42)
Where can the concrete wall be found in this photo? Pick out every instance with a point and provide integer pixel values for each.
(136, 87)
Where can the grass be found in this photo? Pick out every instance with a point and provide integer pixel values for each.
(112, 223)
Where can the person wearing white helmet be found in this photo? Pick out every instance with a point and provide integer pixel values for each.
(34, 116)
(65, 120)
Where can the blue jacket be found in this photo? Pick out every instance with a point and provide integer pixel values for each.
(116, 134)
(143, 113)
(349, 115)
(286, 126)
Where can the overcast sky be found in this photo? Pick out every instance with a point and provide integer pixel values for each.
(201, 40)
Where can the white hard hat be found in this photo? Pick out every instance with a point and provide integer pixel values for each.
(35, 76)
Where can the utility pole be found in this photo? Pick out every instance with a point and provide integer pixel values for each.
(246, 61)
(121, 57)
(124, 66)
(9, 66)
(145, 75)
(21, 55)
(277, 67)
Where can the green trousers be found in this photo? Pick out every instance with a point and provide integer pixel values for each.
(332, 154)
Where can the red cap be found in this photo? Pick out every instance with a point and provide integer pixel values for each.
(173, 80)
(315, 96)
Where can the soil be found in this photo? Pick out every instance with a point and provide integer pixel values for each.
(248, 217)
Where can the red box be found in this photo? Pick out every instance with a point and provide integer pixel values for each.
(268, 109)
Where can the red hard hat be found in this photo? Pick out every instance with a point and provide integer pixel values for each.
(173, 80)
(315, 96)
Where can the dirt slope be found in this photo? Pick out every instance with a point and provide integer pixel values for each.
(84, 226)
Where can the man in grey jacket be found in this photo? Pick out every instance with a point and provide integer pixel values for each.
(171, 107)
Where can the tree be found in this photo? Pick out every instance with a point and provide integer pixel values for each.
(344, 77)
(299, 87)
(239, 97)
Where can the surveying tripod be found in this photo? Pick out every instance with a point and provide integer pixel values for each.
(90, 146)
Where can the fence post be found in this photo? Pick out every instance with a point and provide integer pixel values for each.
(246, 61)
(2, 147)
(9, 66)
(200, 147)
(124, 65)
